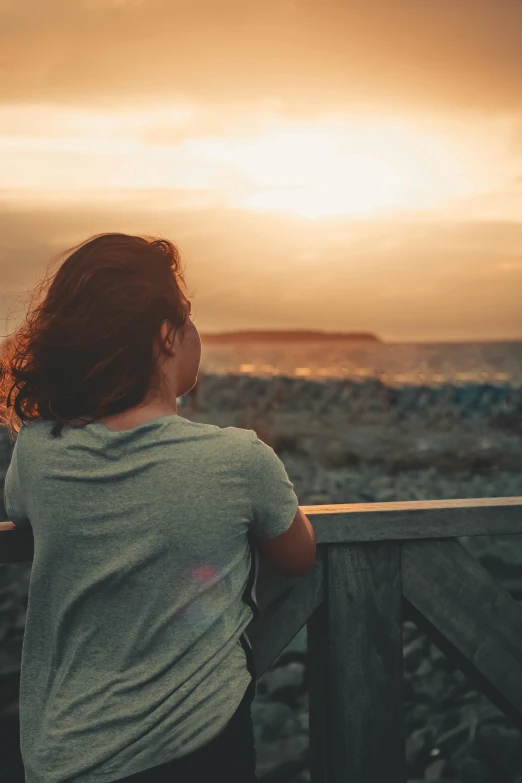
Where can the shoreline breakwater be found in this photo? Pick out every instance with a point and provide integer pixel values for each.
(365, 397)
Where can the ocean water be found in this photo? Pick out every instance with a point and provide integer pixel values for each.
(393, 363)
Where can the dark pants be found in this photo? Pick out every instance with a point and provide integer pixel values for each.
(228, 758)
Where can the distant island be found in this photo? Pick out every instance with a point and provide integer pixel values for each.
(281, 336)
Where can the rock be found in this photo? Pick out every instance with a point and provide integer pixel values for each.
(283, 444)
(287, 694)
(409, 631)
(461, 677)
(318, 500)
(271, 756)
(488, 712)
(414, 652)
(471, 770)
(450, 740)
(434, 770)
(269, 718)
(336, 454)
(424, 668)
(291, 674)
(437, 657)
(303, 719)
(501, 748)
(418, 714)
(508, 422)
(416, 744)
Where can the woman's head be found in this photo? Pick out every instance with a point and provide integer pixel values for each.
(112, 332)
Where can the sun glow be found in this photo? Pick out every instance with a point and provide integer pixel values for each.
(350, 170)
(364, 165)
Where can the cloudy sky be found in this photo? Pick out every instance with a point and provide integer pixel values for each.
(331, 164)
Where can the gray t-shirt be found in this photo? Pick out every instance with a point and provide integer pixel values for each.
(139, 588)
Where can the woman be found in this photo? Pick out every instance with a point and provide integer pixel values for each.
(135, 662)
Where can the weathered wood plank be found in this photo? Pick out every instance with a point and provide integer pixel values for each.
(415, 519)
(285, 606)
(471, 617)
(357, 730)
(318, 694)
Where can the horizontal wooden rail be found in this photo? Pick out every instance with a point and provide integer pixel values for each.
(345, 523)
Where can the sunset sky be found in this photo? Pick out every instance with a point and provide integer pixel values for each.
(321, 164)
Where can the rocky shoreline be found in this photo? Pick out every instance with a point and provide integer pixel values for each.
(347, 444)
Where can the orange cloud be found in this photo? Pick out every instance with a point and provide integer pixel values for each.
(303, 57)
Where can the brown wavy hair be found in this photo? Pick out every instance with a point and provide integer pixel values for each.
(86, 346)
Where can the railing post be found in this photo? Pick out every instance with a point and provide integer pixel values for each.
(355, 668)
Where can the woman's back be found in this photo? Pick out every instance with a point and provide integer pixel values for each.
(140, 589)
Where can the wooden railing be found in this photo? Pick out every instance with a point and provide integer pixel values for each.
(377, 564)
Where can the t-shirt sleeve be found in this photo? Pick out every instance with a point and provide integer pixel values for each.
(13, 495)
(274, 502)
